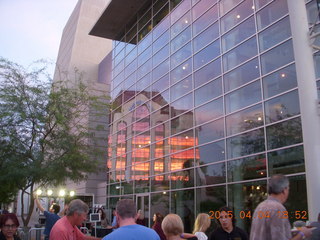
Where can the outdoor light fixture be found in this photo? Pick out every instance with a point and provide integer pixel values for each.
(72, 193)
(62, 192)
(39, 192)
(49, 192)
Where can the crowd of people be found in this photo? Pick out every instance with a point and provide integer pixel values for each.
(128, 223)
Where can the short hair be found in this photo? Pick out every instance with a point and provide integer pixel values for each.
(277, 183)
(227, 210)
(77, 206)
(56, 208)
(6, 217)
(126, 208)
(172, 225)
(202, 223)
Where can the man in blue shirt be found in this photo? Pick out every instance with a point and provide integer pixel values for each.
(51, 216)
(126, 213)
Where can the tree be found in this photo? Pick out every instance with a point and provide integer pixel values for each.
(45, 138)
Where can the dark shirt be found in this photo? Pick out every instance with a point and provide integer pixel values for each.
(2, 237)
(236, 234)
(158, 229)
(51, 219)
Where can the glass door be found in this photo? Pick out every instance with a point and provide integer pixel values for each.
(143, 201)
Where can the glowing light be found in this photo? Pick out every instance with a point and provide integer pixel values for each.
(252, 7)
(259, 118)
(186, 21)
(238, 16)
(39, 192)
(283, 75)
(62, 193)
(187, 137)
(164, 192)
(72, 193)
(49, 192)
(258, 187)
(184, 68)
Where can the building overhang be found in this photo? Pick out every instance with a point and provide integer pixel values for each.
(116, 15)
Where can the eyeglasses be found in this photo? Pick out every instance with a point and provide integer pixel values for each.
(13, 226)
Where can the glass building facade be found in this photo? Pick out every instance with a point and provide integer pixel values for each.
(205, 107)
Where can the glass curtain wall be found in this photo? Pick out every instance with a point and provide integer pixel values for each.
(205, 107)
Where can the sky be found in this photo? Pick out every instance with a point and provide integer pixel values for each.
(31, 29)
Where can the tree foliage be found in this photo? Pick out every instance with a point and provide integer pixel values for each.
(44, 131)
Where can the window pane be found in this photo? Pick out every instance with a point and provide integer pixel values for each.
(161, 55)
(275, 34)
(282, 107)
(181, 24)
(284, 133)
(159, 203)
(244, 120)
(206, 36)
(176, 13)
(286, 161)
(161, 84)
(163, 26)
(209, 111)
(280, 81)
(161, 41)
(160, 70)
(181, 39)
(236, 15)
(210, 131)
(182, 141)
(181, 88)
(183, 104)
(316, 59)
(240, 54)
(237, 35)
(227, 5)
(182, 204)
(201, 7)
(181, 71)
(211, 174)
(245, 144)
(181, 123)
(243, 97)
(145, 68)
(247, 168)
(261, 3)
(244, 197)
(207, 54)
(182, 179)
(212, 152)
(277, 57)
(208, 91)
(271, 13)
(210, 199)
(144, 56)
(208, 72)
(181, 55)
(241, 75)
(182, 160)
(205, 20)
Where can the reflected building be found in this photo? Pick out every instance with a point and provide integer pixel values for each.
(210, 98)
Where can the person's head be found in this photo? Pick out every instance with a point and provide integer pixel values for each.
(226, 218)
(126, 208)
(140, 214)
(9, 224)
(77, 211)
(202, 223)
(157, 217)
(279, 186)
(172, 225)
(101, 212)
(54, 208)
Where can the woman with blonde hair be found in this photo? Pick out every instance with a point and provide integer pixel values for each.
(173, 228)
(201, 225)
